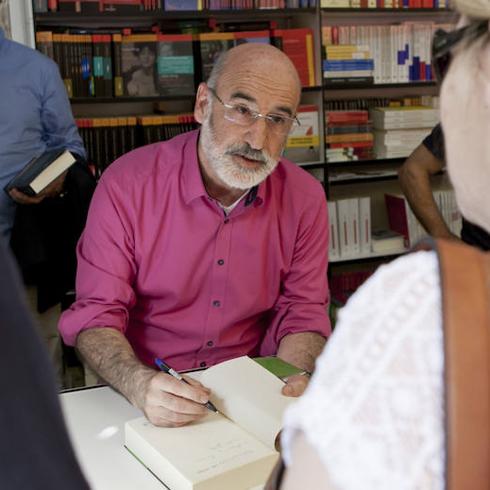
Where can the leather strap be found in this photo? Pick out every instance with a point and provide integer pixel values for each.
(465, 277)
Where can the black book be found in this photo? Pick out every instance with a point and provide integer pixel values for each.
(41, 171)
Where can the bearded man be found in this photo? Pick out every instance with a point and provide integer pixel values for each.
(206, 247)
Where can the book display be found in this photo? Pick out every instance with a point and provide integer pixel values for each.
(131, 68)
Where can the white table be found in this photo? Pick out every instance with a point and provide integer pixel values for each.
(95, 418)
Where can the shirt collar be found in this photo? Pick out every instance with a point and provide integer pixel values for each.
(192, 179)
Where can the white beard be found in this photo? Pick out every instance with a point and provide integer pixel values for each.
(228, 171)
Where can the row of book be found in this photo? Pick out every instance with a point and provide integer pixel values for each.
(351, 236)
(379, 54)
(350, 228)
(145, 65)
(384, 4)
(107, 138)
(134, 6)
(358, 104)
(403, 221)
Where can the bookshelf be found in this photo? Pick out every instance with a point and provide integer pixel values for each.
(356, 181)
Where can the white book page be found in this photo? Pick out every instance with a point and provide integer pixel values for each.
(249, 395)
(199, 451)
(52, 171)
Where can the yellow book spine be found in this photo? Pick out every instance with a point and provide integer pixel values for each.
(310, 59)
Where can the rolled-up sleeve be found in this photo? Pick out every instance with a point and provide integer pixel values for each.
(106, 266)
(304, 298)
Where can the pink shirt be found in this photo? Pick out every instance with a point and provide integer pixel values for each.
(160, 261)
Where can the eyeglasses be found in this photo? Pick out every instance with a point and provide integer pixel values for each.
(242, 115)
(443, 42)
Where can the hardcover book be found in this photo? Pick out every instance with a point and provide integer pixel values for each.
(234, 448)
(175, 64)
(41, 171)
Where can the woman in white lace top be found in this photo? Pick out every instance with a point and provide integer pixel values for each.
(372, 416)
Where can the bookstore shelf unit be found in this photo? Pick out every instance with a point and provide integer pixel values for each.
(319, 94)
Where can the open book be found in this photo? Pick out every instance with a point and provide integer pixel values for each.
(234, 449)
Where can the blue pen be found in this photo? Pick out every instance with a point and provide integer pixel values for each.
(172, 372)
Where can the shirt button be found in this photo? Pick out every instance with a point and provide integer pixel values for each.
(221, 262)
(210, 343)
(202, 364)
(226, 221)
(216, 303)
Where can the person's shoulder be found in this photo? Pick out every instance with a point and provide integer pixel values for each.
(154, 161)
(20, 53)
(297, 180)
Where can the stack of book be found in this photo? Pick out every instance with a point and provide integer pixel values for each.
(386, 241)
(399, 130)
(348, 63)
(348, 135)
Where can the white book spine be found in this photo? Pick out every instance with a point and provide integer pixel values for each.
(346, 248)
(354, 226)
(334, 245)
(365, 224)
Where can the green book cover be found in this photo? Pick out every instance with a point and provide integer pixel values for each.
(277, 366)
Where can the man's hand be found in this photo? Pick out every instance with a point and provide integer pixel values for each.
(52, 190)
(165, 401)
(296, 385)
(168, 402)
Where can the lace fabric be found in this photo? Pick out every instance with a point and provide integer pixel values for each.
(374, 408)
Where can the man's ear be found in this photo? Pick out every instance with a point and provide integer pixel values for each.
(202, 103)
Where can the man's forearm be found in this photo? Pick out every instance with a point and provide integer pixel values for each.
(110, 355)
(421, 200)
(301, 349)
(414, 176)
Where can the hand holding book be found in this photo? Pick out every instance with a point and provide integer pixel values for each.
(52, 190)
(42, 177)
(168, 402)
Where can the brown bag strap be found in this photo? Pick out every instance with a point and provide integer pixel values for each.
(465, 277)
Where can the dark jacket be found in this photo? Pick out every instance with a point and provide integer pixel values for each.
(45, 235)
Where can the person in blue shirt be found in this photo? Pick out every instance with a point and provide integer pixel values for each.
(35, 116)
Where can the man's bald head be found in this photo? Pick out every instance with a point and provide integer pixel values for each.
(263, 61)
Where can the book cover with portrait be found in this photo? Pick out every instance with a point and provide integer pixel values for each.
(139, 65)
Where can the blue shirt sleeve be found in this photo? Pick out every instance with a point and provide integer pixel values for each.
(59, 128)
